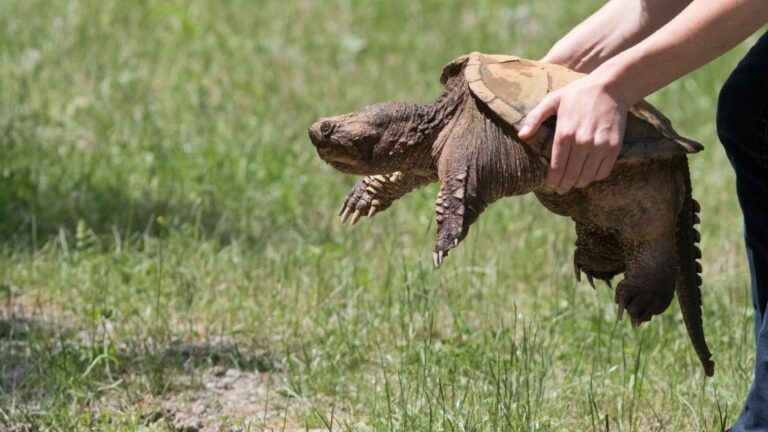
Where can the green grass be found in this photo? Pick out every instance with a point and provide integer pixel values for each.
(158, 190)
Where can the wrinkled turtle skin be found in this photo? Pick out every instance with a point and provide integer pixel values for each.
(640, 221)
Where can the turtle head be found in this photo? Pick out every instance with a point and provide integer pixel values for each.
(378, 139)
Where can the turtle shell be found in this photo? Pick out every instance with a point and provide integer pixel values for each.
(511, 87)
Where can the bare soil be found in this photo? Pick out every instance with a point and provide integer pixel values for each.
(200, 399)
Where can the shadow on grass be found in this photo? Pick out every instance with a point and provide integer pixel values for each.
(47, 368)
(31, 214)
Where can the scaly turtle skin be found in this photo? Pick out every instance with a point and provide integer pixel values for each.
(639, 221)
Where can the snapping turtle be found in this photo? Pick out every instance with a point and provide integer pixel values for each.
(638, 221)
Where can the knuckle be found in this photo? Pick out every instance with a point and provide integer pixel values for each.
(603, 147)
(584, 140)
(602, 142)
(566, 133)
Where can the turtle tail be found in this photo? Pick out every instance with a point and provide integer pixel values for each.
(688, 279)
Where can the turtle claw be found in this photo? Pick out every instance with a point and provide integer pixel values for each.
(374, 194)
(345, 215)
(610, 285)
(591, 281)
(620, 315)
(577, 272)
(438, 258)
(355, 217)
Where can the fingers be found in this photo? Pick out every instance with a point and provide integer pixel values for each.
(561, 154)
(589, 170)
(544, 110)
(606, 166)
(587, 135)
(589, 159)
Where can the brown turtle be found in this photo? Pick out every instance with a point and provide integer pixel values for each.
(639, 221)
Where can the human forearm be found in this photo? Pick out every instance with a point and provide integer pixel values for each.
(616, 26)
(591, 111)
(701, 32)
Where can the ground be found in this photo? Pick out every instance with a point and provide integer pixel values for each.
(170, 255)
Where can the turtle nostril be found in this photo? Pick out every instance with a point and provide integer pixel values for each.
(326, 128)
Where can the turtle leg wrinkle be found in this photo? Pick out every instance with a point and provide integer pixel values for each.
(375, 193)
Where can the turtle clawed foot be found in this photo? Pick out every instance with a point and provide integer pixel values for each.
(620, 317)
(437, 258)
(354, 214)
(634, 321)
(344, 213)
(358, 204)
(450, 231)
(577, 271)
(641, 303)
(591, 275)
(347, 212)
(442, 248)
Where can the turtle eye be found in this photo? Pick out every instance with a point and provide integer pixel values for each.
(326, 128)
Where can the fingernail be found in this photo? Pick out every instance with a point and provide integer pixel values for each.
(524, 129)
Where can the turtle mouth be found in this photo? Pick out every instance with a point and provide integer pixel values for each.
(341, 161)
(345, 164)
(344, 167)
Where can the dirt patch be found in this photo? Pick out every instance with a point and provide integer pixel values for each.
(230, 399)
(215, 385)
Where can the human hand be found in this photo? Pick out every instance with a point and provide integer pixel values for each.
(588, 133)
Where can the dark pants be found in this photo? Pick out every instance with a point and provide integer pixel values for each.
(742, 124)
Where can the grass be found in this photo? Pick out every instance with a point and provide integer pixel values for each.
(162, 212)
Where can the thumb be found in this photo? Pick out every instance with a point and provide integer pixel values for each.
(544, 110)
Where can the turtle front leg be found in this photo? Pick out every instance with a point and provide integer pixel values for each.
(458, 206)
(649, 279)
(373, 194)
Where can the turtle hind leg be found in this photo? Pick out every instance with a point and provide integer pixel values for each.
(598, 254)
(649, 279)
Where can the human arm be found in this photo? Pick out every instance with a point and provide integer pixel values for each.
(591, 112)
(618, 25)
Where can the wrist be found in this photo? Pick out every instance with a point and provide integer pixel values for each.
(614, 77)
(559, 57)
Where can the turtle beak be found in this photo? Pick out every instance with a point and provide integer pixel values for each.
(314, 135)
